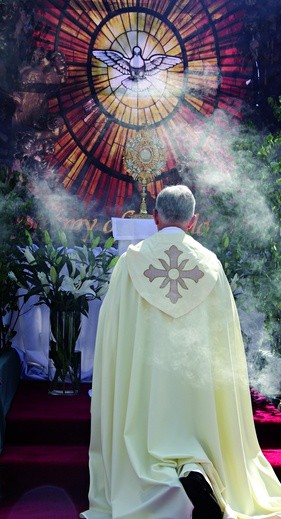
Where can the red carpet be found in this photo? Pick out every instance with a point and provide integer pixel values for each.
(44, 463)
(268, 427)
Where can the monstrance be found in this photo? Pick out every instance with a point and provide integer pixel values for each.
(144, 159)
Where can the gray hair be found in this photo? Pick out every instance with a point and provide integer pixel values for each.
(175, 204)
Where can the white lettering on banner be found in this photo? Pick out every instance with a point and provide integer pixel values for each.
(86, 225)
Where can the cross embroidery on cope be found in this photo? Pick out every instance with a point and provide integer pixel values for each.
(173, 273)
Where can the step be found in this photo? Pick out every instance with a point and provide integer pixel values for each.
(267, 421)
(269, 434)
(274, 458)
(24, 468)
(37, 418)
(43, 502)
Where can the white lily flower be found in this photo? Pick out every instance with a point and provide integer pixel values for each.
(77, 287)
(12, 276)
(44, 281)
(234, 282)
(82, 272)
(73, 267)
(104, 289)
(29, 257)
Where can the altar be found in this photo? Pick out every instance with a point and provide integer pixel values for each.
(128, 231)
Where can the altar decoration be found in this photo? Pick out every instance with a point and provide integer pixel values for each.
(144, 159)
(65, 279)
(64, 361)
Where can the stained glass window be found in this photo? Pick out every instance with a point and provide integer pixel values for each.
(159, 65)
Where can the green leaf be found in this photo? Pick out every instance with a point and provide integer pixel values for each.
(29, 239)
(226, 241)
(53, 274)
(109, 242)
(95, 242)
(63, 238)
(113, 262)
(47, 238)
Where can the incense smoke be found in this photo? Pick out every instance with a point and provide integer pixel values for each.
(231, 181)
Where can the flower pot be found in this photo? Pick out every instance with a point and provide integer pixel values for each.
(64, 360)
(65, 380)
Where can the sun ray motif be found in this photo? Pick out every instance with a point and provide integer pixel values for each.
(104, 106)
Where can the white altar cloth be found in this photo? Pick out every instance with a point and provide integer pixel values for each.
(33, 334)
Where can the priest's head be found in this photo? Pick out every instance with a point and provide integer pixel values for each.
(175, 207)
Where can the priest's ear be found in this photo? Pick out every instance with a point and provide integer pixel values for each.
(156, 216)
(191, 222)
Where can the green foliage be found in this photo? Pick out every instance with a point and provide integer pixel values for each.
(64, 278)
(40, 263)
(245, 228)
(13, 206)
(276, 107)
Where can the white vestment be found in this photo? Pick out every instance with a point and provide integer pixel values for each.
(170, 390)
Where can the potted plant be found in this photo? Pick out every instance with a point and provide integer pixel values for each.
(65, 278)
(13, 205)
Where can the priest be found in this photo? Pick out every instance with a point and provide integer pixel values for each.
(172, 434)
